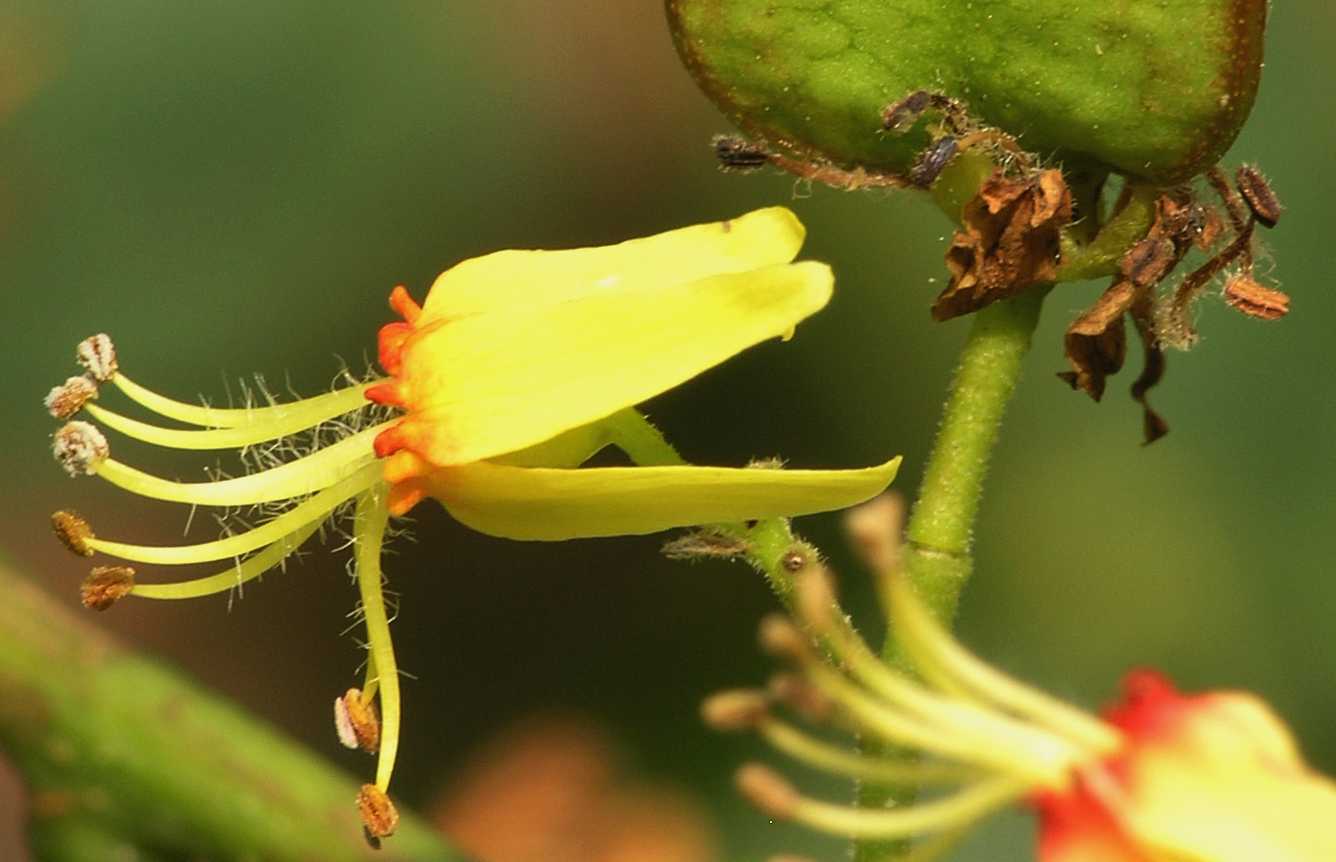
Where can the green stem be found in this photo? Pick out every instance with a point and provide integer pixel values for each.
(126, 759)
(939, 537)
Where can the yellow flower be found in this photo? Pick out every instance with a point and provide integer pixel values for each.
(518, 367)
(1161, 777)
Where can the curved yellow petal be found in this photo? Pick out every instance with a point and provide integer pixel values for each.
(521, 279)
(495, 383)
(547, 504)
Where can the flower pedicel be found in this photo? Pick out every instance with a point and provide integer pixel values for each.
(517, 368)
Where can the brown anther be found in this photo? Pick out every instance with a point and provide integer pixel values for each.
(781, 638)
(1244, 294)
(98, 355)
(379, 815)
(1147, 262)
(802, 697)
(68, 398)
(899, 116)
(1207, 228)
(874, 528)
(79, 447)
(73, 532)
(699, 544)
(356, 722)
(1258, 195)
(815, 599)
(739, 154)
(768, 791)
(734, 710)
(105, 586)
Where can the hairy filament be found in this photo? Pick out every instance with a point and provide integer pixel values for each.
(289, 421)
(246, 570)
(369, 522)
(294, 479)
(838, 761)
(314, 509)
(321, 407)
(932, 648)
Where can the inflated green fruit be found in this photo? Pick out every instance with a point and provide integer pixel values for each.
(1155, 89)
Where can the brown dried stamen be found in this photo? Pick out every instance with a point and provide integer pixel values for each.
(1244, 294)
(106, 585)
(73, 532)
(1258, 195)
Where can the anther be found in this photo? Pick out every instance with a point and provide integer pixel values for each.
(1244, 294)
(739, 154)
(68, 398)
(816, 600)
(97, 354)
(874, 528)
(735, 710)
(379, 815)
(1258, 195)
(768, 791)
(802, 697)
(73, 532)
(79, 447)
(106, 585)
(356, 722)
(781, 638)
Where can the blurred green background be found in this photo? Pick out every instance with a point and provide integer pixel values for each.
(230, 188)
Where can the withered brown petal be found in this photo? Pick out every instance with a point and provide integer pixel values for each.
(1096, 342)
(1152, 369)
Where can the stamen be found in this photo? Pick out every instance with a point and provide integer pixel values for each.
(312, 410)
(73, 532)
(65, 400)
(234, 576)
(930, 645)
(106, 585)
(97, 354)
(293, 479)
(313, 509)
(780, 800)
(369, 522)
(379, 815)
(293, 418)
(79, 447)
(830, 758)
(356, 721)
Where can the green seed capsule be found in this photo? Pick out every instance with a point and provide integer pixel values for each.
(1155, 89)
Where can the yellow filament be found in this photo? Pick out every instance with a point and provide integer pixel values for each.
(931, 646)
(316, 508)
(294, 479)
(368, 537)
(288, 422)
(959, 809)
(323, 406)
(833, 759)
(246, 570)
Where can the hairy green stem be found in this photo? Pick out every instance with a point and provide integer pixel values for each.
(937, 555)
(125, 759)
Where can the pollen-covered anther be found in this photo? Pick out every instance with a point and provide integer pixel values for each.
(68, 398)
(73, 532)
(802, 697)
(768, 791)
(1245, 294)
(80, 447)
(740, 709)
(356, 722)
(105, 586)
(97, 354)
(379, 815)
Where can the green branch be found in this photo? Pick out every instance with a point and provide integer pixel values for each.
(126, 759)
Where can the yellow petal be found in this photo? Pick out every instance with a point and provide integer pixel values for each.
(524, 279)
(547, 504)
(1228, 785)
(494, 383)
